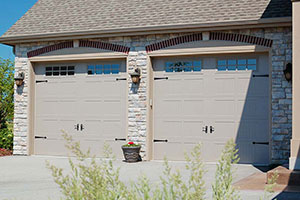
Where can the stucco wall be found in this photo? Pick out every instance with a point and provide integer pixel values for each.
(137, 96)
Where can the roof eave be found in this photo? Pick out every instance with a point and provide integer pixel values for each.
(267, 22)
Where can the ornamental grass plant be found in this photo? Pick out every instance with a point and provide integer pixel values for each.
(92, 180)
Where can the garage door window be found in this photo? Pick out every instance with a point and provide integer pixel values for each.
(60, 71)
(236, 64)
(187, 66)
(103, 69)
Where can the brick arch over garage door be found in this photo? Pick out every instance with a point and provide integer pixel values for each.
(213, 36)
(82, 43)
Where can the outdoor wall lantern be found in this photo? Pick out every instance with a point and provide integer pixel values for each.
(135, 76)
(288, 72)
(19, 79)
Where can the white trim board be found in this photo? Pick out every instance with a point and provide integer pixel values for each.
(90, 56)
(209, 50)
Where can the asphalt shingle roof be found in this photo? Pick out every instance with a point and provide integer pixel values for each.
(62, 16)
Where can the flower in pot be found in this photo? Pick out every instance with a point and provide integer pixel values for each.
(131, 152)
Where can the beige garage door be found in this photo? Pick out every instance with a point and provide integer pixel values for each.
(87, 100)
(210, 100)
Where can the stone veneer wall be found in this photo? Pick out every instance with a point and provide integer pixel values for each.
(137, 96)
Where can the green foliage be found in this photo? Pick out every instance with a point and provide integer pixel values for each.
(269, 188)
(222, 188)
(6, 137)
(173, 187)
(6, 103)
(131, 144)
(88, 179)
(91, 180)
(6, 91)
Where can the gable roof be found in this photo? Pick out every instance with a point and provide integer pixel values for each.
(71, 16)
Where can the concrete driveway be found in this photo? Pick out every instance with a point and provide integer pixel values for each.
(27, 178)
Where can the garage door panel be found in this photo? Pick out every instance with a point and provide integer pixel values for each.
(259, 152)
(261, 126)
(223, 107)
(52, 128)
(112, 128)
(255, 88)
(93, 128)
(245, 130)
(171, 152)
(92, 107)
(57, 88)
(111, 107)
(93, 101)
(224, 130)
(246, 150)
(193, 86)
(224, 86)
(95, 147)
(242, 86)
(68, 125)
(112, 87)
(66, 107)
(169, 107)
(193, 130)
(50, 147)
(43, 106)
(92, 89)
(168, 128)
(226, 98)
(193, 107)
(210, 154)
(252, 108)
(170, 86)
(45, 126)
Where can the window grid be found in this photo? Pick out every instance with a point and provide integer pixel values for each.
(60, 71)
(103, 69)
(236, 64)
(182, 66)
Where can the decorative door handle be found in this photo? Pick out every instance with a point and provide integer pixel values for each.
(120, 139)
(161, 78)
(81, 127)
(160, 140)
(204, 129)
(121, 79)
(76, 127)
(264, 143)
(211, 129)
(40, 137)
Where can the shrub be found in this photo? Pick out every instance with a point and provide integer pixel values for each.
(173, 187)
(222, 188)
(6, 103)
(6, 137)
(89, 179)
(269, 188)
(92, 180)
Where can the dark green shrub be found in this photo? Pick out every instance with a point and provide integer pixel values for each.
(6, 103)
(6, 137)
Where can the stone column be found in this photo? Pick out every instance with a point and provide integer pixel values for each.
(137, 106)
(295, 142)
(21, 109)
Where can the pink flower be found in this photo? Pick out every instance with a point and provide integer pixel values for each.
(130, 143)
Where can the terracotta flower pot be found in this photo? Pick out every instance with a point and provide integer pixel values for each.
(132, 154)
